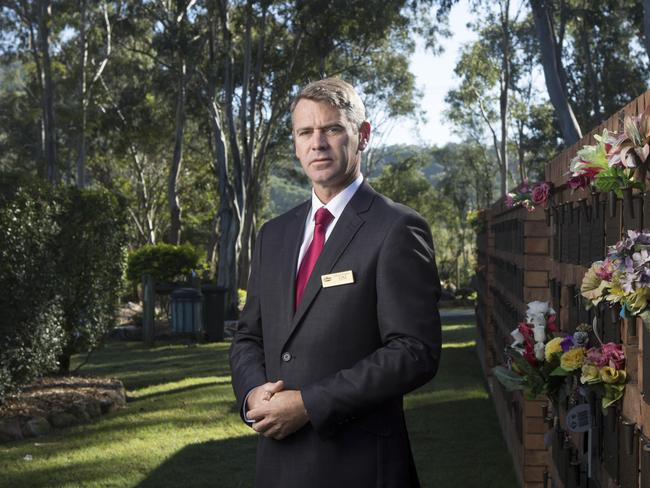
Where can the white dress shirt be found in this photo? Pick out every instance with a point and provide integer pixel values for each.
(335, 206)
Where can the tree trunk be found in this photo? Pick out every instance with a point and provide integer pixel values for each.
(556, 91)
(172, 190)
(81, 154)
(503, 98)
(646, 25)
(47, 85)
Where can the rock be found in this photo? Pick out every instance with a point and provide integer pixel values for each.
(107, 405)
(63, 419)
(36, 426)
(10, 430)
(94, 408)
(79, 411)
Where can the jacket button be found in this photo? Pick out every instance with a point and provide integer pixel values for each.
(286, 357)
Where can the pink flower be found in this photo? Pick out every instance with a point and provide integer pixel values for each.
(541, 192)
(606, 270)
(614, 355)
(596, 356)
(509, 201)
(580, 181)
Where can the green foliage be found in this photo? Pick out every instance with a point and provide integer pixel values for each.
(90, 265)
(60, 270)
(31, 333)
(164, 262)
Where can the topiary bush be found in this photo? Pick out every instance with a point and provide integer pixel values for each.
(164, 262)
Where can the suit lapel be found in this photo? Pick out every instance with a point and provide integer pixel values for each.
(346, 228)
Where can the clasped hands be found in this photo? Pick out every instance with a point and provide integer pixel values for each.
(276, 412)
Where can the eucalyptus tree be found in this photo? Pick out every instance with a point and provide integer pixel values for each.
(29, 31)
(258, 55)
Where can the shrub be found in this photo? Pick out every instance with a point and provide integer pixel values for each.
(31, 333)
(61, 268)
(90, 265)
(164, 262)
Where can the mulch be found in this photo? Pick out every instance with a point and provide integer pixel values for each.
(56, 394)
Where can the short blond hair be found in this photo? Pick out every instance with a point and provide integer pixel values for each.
(338, 94)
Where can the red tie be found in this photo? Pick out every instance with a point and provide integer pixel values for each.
(323, 218)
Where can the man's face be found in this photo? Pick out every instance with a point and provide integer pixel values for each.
(327, 146)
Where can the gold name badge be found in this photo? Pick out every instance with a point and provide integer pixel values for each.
(336, 279)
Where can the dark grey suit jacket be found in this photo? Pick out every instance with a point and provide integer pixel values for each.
(352, 350)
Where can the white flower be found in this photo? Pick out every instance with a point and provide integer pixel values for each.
(537, 308)
(539, 351)
(539, 332)
(536, 320)
(518, 337)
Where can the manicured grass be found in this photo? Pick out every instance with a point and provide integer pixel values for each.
(180, 428)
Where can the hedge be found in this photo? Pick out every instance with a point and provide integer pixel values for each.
(61, 267)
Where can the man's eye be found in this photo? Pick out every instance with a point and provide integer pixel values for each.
(333, 130)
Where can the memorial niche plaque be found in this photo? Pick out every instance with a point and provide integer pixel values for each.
(628, 455)
(646, 211)
(611, 443)
(573, 233)
(564, 233)
(556, 234)
(597, 233)
(645, 391)
(613, 226)
(585, 234)
(633, 214)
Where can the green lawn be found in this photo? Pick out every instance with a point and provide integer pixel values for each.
(180, 427)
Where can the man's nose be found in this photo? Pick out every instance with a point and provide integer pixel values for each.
(318, 139)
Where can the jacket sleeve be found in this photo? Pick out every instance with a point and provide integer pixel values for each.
(247, 364)
(407, 289)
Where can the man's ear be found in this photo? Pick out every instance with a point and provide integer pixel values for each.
(364, 135)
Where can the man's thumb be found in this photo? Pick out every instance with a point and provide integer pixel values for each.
(275, 387)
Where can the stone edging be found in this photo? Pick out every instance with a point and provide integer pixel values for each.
(86, 403)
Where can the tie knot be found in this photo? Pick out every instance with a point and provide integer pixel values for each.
(323, 217)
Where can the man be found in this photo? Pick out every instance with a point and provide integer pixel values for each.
(341, 318)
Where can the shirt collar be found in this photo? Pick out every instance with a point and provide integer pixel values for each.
(337, 204)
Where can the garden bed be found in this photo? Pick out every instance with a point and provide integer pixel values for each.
(58, 402)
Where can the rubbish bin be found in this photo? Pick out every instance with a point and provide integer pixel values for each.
(213, 311)
(187, 305)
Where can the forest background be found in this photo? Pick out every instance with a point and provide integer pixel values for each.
(181, 107)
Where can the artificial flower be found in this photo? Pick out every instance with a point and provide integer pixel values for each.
(612, 376)
(590, 374)
(613, 355)
(539, 351)
(553, 346)
(541, 193)
(572, 359)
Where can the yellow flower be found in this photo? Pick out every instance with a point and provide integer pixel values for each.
(552, 347)
(612, 375)
(573, 359)
(590, 373)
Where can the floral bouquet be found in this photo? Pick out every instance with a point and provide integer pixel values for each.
(529, 197)
(610, 164)
(529, 367)
(590, 161)
(601, 368)
(623, 277)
